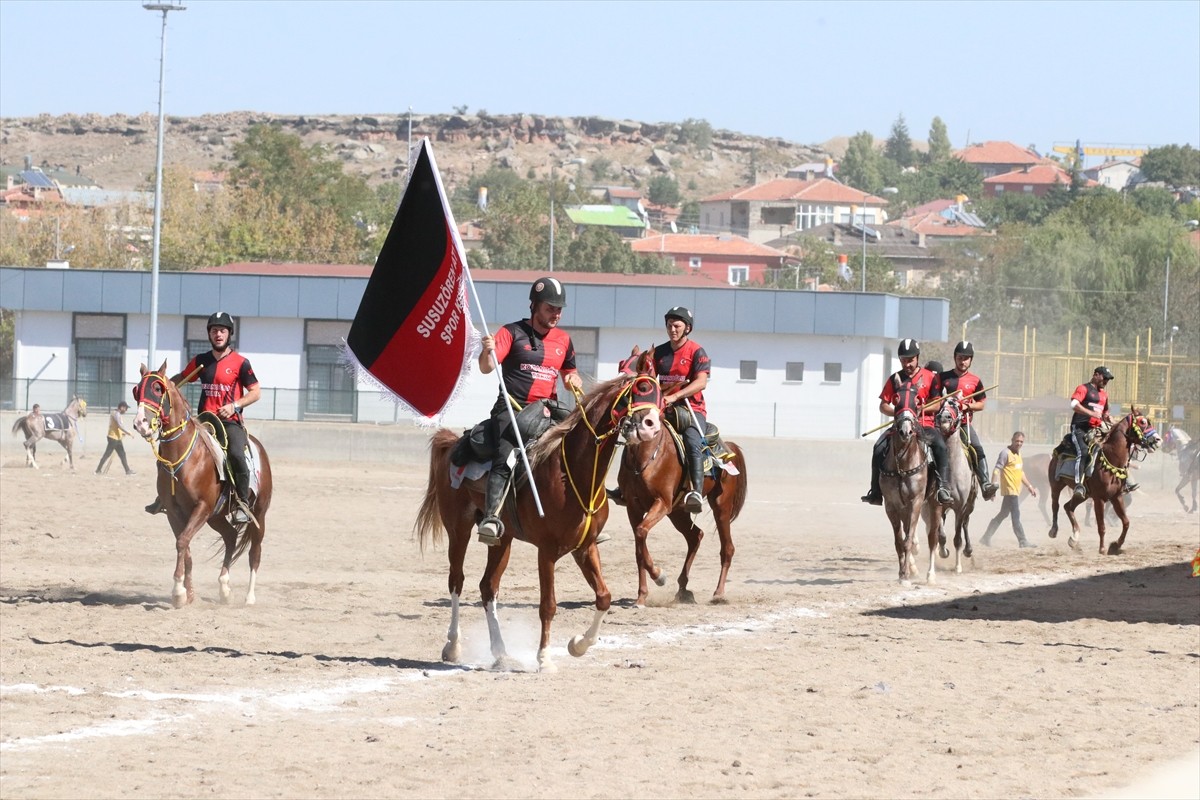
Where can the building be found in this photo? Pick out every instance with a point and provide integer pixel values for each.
(724, 258)
(1116, 175)
(621, 220)
(1035, 180)
(786, 363)
(774, 209)
(997, 158)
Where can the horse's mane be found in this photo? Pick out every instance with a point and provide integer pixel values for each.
(601, 395)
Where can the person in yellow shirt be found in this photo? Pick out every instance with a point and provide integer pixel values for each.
(1011, 473)
(115, 431)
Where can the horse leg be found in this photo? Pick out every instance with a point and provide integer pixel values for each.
(721, 514)
(933, 534)
(457, 551)
(489, 589)
(692, 534)
(546, 607)
(960, 540)
(589, 564)
(1118, 504)
(899, 537)
(183, 592)
(31, 454)
(229, 536)
(256, 532)
(1069, 507)
(641, 551)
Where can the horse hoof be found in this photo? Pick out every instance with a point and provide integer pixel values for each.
(968, 552)
(1073, 544)
(547, 666)
(1053, 534)
(578, 646)
(943, 552)
(719, 600)
(507, 663)
(1114, 550)
(660, 579)
(685, 596)
(452, 653)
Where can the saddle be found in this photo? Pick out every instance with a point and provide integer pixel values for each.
(479, 443)
(214, 426)
(57, 422)
(714, 450)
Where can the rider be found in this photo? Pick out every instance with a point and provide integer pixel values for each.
(683, 369)
(1090, 404)
(910, 388)
(532, 353)
(970, 388)
(229, 385)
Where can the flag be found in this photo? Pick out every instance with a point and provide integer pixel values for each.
(412, 332)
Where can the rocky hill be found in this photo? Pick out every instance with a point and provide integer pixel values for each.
(118, 151)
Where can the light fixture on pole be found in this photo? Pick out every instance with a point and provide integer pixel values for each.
(165, 8)
(967, 322)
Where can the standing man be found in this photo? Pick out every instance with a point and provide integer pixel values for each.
(229, 385)
(1090, 406)
(910, 388)
(683, 369)
(532, 353)
(115, 431)
(965, 383)
(1011, 470)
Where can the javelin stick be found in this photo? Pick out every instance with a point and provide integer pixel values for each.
(929, 405)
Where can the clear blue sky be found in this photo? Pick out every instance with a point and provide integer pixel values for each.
(1031, 73)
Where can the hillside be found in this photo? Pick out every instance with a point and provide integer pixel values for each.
(118, 151)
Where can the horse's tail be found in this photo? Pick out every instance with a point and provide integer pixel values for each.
(19, 427)
(429, 521)
(739, 484)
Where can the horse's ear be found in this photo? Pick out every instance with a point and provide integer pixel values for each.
(141, 369)
(163, 369)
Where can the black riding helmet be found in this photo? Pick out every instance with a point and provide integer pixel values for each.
(682, 314)
(548, 290)
(934, 366)
(964, 348)
(221, 319)
(908, 348)
(1103, 371)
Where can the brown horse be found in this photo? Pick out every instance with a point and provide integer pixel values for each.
(62, 428)
(651, 478)
(569, 463)
(903, 481)
(1118, 442)
(963, 489)
(190, 485)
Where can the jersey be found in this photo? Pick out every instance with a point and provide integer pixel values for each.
(1012, 469)
(1096, 399)
(531, 363)
(901, 391)
(678, 367)
(223, 380)
(950, 382)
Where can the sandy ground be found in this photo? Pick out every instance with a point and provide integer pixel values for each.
(1034, 673)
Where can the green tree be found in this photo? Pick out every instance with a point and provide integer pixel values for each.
(663, 190)
(861, 166)
(1174, 165)
(599, 168)
(939, 142)
(899, 147)
(516, 227)
(695, 132)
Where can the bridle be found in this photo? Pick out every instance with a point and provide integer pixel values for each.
(904, 430)
(153, 395)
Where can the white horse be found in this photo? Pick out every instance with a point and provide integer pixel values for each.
(963, 489)
(62, 428)
(1187, 451)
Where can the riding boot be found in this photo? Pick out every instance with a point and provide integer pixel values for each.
(943, 480)
(985, 484)
(239, 498)
(615, 497)
(874, 496)
(1081, 475)
(156, 507)
(491, 528)
(693, 501)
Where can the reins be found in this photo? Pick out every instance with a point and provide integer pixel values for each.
(596, 490)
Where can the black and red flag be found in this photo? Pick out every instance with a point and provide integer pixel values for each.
(413, 332)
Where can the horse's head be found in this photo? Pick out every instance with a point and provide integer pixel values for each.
(637, 410)
(904, 426)
(1174, 439)
(949, 416)
(155, 395)
(1141, 432)
(81, 405)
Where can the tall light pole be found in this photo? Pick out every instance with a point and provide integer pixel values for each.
(884, 190)
(158, 169)
(552, 218)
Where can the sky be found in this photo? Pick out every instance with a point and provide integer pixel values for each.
(1044, 73)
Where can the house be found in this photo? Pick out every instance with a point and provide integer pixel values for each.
(619, 219)
(208, 181)
(773, 209)
(997, 158)
(908, 254)
(1116, 174)
(812, 169)
(724, 258)
(938, 222)
(1036, 180)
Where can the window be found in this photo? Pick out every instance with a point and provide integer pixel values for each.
(738, 275)
(694, 262)
(810, 216)
(833, 372)
(329, 389)
(794, 372)
(999, 189)
(1027, 189)
(901, 279)
(100, 358)
(748, 370)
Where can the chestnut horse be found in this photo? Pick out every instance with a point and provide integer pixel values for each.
(903, 481)
(1118, 442)
(651, 478)
(62, 428)
(569, 463)
(190, 487)
(963, 490)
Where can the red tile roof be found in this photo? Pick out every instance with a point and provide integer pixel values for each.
(621, 191)
(932, 223)
(996, 153)
(705, 245)
(492, 275)
(1037, 175)
(818, 190)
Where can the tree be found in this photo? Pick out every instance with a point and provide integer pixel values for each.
(861, 167)
(898, 147)
(663, 190)
(599, 168)
(695, 132)
(939, 142)
(1173, 165)
(516, 231)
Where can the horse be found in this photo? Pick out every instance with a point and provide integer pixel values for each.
(1036, 469)
(651, 479)
(1177, 442)
(963, 491)
(904, 480)
(569, 463)
(1118, 444)
(191, 463)
(62, 428)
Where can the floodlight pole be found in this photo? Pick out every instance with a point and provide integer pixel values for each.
(158, 169)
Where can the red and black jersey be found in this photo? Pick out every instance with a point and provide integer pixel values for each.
(1094, 398)
(531, 363)
(901, 391)
(682, 366)
(968, 383)
(223, 380)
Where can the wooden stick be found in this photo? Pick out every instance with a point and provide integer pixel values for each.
(930, 404)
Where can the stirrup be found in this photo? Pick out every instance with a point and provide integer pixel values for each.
(873, 497)
(989, 490)
(1080, 491)
(693, 502)
(1130, 487)
(943, 496)
(490, 531)
(156, 508)
(616, 498)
